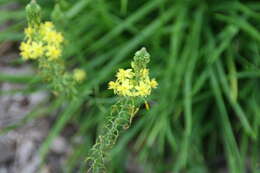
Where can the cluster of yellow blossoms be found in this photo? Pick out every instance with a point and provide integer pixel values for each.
(133, 83)
(41, 41)
(44, 43)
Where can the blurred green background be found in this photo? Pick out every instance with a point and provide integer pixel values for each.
(205, 114)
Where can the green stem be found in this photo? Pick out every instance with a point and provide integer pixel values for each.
(118, 120)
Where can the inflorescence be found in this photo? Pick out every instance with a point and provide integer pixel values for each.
(42, 41)
(133, 83)
(44, 44)
(132, 86)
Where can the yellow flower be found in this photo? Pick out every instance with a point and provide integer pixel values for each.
(47, 26)
(25, 48)
(59, 38)
(112, 85)
(37, 50)
(28, 32)
(32, 50)
(144, 72)
(153, 83)
(143, 89)
(124, 88)
(53, 37)
(79, 75)
(123, 74)
(53, 52)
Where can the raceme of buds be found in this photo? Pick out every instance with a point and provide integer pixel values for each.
(33, 12)
(134, 82)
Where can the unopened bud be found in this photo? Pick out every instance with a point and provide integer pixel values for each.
(141, 59)
(33, 12)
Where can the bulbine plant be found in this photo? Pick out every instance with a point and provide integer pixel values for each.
(132, 87)
(44, 44)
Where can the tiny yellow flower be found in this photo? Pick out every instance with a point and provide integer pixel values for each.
(25, 55)
(127, 83)
(59, 38)
(112, 85)
(123, 74)
(79, 75)
(25, 48)
(153, 83)
(28, 32)
(53, 37)
(53, 52)
(46, 27)
(48, 24)
(37, 50)
(143, 89)
(124, 88)
(144, 72)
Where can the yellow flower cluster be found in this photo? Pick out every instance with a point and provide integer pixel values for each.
(41, 41)
(133, 83)
(45, 44)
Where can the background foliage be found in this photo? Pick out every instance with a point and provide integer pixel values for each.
(205, 113)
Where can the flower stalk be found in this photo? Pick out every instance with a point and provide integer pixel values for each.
(132, 87)
(44, 44)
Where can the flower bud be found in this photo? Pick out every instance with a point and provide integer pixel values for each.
(141, 59)
(33, 12)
